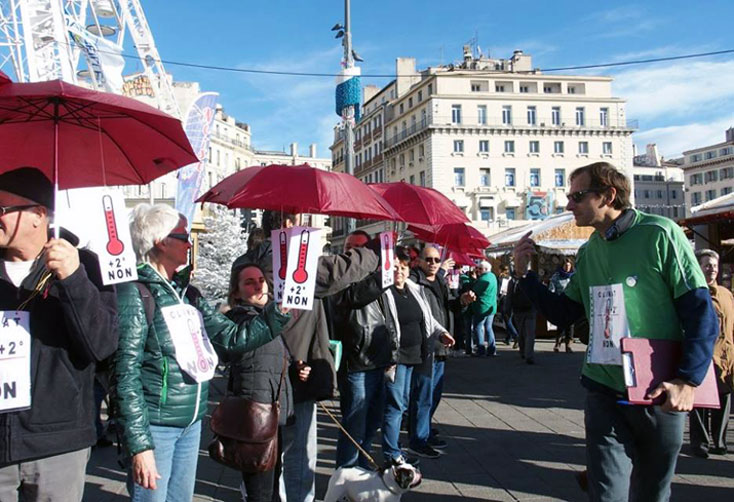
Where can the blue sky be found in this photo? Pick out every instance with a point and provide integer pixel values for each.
(679, 104)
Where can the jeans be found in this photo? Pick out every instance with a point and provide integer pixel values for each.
(466, 331)
(59, 478)
(437, 384)
(176, 453)
(631, 451)
(395, 405)
(362, 394)
(420, 407)
(482, 327)
(511, 332)
(298, 481)
(99, 394)
(708, 426)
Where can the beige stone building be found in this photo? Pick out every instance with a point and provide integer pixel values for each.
(709, 172)
(496, 136)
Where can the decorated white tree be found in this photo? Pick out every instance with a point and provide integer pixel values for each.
(222, 243)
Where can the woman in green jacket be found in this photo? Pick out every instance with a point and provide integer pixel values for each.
(170, 342)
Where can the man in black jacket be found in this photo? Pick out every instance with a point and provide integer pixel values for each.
(45, 437)
(367, 330)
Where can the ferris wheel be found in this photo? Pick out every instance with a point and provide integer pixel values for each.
(72, 40)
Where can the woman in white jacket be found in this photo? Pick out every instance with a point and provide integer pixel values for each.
(416, 327)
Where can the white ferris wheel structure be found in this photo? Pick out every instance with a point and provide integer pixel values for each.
(36, 44)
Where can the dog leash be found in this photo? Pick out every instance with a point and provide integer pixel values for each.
(361, 450)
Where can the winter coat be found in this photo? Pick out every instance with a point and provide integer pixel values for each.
(364, 325)
(518, 300)
(723, 302)
(72, 327)
(256, 375)
(559, 280)
(440, 308)
(485, 287)
(149, 387)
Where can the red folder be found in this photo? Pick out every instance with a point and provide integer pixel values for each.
(656, 361)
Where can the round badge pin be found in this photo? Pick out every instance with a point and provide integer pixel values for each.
(631, 281)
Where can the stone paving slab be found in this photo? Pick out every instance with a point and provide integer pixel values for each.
(514, 432)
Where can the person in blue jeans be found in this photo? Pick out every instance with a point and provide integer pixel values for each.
(416, 330)
(484, 308)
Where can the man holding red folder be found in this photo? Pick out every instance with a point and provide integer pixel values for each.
(636, 276)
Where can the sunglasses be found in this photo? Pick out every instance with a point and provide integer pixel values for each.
(11, 209)
(432, 260)
(577, 197)
(184, 237)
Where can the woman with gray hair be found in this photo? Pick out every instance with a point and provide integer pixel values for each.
(171, 340)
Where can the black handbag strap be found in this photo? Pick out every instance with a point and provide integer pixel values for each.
(282, 373)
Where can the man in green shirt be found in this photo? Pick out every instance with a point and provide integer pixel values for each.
(636, 276)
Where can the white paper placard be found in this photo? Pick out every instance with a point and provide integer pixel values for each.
(15, 361)
(503, 285)
(106, 229)
(194, 352)
(452, 279)
(304, 249)
(387, 255)
(279, 239)
(608, 324)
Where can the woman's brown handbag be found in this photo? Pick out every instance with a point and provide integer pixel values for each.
(246, 433)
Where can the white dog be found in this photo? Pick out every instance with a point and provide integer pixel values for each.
(355, 484)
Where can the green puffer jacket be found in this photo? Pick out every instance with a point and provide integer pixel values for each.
(148, 385)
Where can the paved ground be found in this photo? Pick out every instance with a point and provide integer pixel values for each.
(515, 433)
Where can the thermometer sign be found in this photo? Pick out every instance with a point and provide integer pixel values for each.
(304, 248)
(114, 244)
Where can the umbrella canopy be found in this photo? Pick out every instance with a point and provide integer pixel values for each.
(300, 189)
(456, 236)
(82, 138)
(461, 258)
(421, 205)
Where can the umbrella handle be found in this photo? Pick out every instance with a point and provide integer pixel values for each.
(56, 164)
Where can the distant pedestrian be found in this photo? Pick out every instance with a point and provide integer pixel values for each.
(484, 309)
(558, 282)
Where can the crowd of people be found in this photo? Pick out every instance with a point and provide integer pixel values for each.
(161, 342)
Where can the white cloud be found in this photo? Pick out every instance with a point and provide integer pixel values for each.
(673, 140)
(679, 89)
(625, 21)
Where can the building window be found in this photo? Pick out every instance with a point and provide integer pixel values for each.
(411, 155)
(726, 173)
(604, 117)
(481, 115)
(422, 178)
(726, 190)
(556, 115)
(558, 147)
(412, 179)
(410, 102)
(509, 146)
(571, 90)
(484, 145)
(485, 214)
(579, 114)
(583, 147)
(659, 194)
(510, 213)
(710, 195)
(420, 96)
(421, 151)
(458, 176)
(696, 157)
(696, 198)
(458, 146)
(456, 114)
(606, 148)
(712, 176)
(697, 179)
(535, 177)
(646, 194)
(709, 155)
(674, 194)
(532, 115)
(484, 178)
(560, 177)
(402, 108)
(535, 147)
(499, 88)
(510, 177)
(524, 89)
(430, 89)
(507, 115)
(476, 87)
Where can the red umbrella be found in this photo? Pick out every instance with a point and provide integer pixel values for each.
(461, 258)
(422, 205)
(300, 189)
(82, 138)
(455, 236)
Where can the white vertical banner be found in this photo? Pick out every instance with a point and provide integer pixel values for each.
(15, 361)
(98, 216)
(304, 249)
(387, 256)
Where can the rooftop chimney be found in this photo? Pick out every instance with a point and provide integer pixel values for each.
(312, 150)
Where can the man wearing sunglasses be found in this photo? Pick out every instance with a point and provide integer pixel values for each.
(45, 438)
(636, 276)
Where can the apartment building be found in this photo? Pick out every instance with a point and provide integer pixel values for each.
(658, 184)
(496, 136)
(709, 172)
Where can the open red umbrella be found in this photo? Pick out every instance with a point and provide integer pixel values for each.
(421, 205)
(300, 189)
(456, 236)
(82, 138)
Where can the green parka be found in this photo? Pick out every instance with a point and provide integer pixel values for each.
(149, 387)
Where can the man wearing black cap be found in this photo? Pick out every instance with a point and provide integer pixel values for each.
(52, 299)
